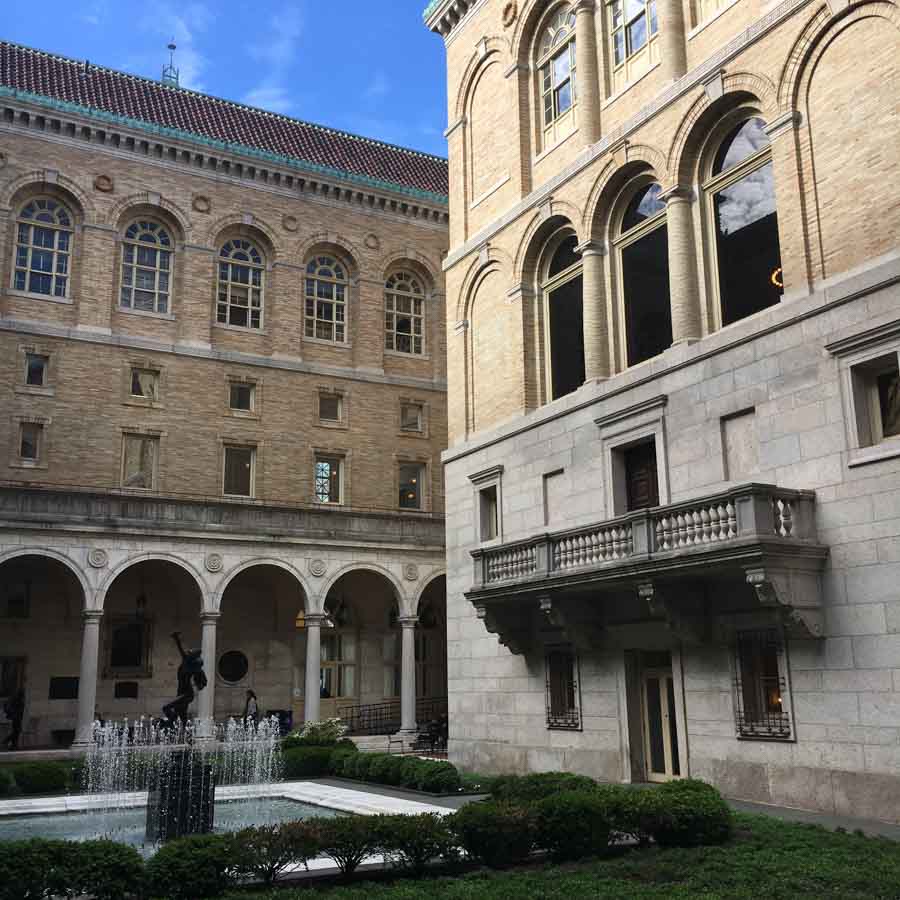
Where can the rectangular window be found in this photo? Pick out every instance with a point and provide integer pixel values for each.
(125, 690)
(641, 477)
(562, 689)
(337, 672)
(876, 389)
(30, 435)
(411, 485)
(633, 23)
(241, 396)
(411, 417)
(760, 706)
(15, 601)
(239, 465)
(128, 643)
(330, 407)
(490, 524)
(37, 368)
(145, 384)
(139, 461)
(328, 479)
(63, 688)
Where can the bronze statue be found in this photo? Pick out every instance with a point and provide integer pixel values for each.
(190, 676)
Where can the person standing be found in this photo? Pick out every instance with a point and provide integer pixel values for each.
(251, 708)
(14, 709)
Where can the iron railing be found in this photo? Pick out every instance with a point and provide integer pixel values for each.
(384, 718)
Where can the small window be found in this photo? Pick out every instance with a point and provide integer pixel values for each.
(337, 672)
(562, 689)
(63, 688)
(876, 388)
(145, 384)
(128, 647)
(139, 461)
(241, 396)
(760, 701)
(411, 485)
(490, 523)
(412, 417)
(328, 479)
(15, 601)
(37, 368)
(125, 690)
(330, 407)
(30, 438)
(233, 666)
(641, 476)
(239, 465)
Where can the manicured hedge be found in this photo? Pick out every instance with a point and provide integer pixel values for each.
(32, 778)
(532, 788)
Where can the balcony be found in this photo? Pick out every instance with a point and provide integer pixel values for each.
(755, 541)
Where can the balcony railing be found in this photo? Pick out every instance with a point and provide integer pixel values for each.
(746, 514)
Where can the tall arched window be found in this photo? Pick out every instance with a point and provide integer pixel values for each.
(741, 192)
(561, 285)
(642, 245)
(241, 285)
(404, 313)
(43, 248)
(556, 73)
(326, 300)
(146, 267)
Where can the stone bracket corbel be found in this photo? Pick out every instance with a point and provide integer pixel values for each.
(795, 595)
(583, 632)
(511, 632)
(691, 629)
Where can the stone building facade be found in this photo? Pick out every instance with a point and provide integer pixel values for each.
(673, 482)
(223, 388)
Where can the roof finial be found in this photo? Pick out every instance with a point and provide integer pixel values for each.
(169, 72)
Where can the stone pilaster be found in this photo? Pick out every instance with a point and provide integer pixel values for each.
(594, 311)
(87, 682)
(672, 48)
(408, 675)
(684, 289)
(587, 72)
(313, 661)
(206, 699)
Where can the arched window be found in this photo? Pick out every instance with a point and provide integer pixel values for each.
(241, 285)
(561, 285)
(404, 313)
(642, 245)
(43, 248)
(741, 192)
(326, 300)
(146, 267)
(556, 72)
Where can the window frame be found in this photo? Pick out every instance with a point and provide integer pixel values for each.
(333, 459)
(637, 61)
(571, 719)
(29, 247)
(391, 315)
(226, 285)
(482, 481)
(340, 662)
(237, 446)
(41, 460)
(713, 184)
(147, 225)
(565, 122)
(156, 438)
(781, 729)
(421, 483)
(142, 671)
(312, 276)
(51, 356)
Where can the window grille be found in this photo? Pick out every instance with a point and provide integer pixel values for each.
(760, 703)
(43, 247)
(563, 708)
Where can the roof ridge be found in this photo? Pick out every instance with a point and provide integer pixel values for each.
(234, 103)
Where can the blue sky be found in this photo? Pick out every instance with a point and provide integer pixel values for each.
(366, 66)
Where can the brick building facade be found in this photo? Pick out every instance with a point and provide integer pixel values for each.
(673, 482)
(222, 366)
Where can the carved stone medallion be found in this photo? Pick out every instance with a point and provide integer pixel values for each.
(411, 572)
(98, 558)
(318, 567)
(214, 562)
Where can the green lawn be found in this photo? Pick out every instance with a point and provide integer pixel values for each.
(766, 860)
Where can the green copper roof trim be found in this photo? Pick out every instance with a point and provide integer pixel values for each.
(227, 146)
(431, 8)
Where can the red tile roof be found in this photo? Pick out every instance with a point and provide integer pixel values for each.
(87, 85)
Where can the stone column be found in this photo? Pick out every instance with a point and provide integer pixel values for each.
(87, 681)
(672, 45)
(587, 72)
(594, 311)
(684, 290)
(408, 675)
(313, 664)
(206, 699)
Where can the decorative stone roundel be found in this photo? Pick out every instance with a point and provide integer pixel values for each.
(98, 558)
(103, 183)
(201, 204)
(411, 572)
(289, 223)
(372, 242)
(510, 13)
(214, 562)
(318, 567)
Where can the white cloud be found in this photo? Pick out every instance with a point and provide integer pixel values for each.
(276, 52)
(273, 97)
(94, 13)
(378, 87)
(183, 24)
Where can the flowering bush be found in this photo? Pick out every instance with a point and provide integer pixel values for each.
(317, 734)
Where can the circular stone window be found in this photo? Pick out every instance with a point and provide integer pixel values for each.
(233, 666)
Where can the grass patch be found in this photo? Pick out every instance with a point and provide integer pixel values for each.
(765, 860)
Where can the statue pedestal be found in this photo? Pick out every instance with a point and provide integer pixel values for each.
(183, 799)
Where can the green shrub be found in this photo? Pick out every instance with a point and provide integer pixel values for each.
(525, 789)
(393, 768)
(265, 852)
(348, 840)
(327, 733)
(8, 786)
(191, 867)
(496, 834)
(360, 766)
(41, 777)
(306, 762)
(572, 825)
(337, 756)
(440, 778)
(411, 842)
(34, 869)
(688, 813)
(104, 870)
(379, 766)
